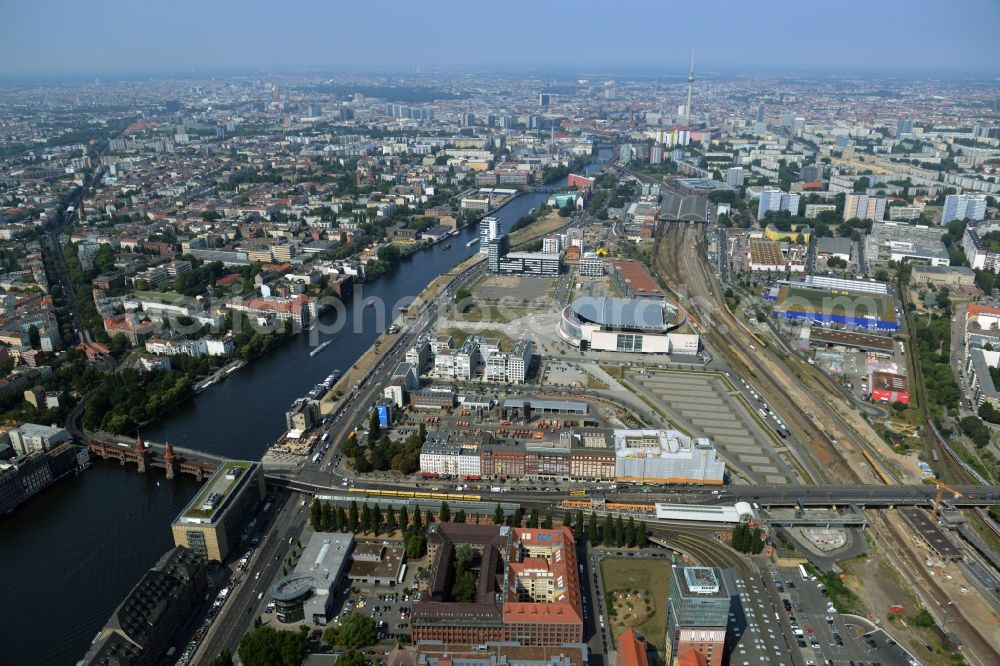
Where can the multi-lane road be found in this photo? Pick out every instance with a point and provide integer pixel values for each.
(251, 590)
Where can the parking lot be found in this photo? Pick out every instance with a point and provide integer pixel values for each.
(823, 636)
(707, 405)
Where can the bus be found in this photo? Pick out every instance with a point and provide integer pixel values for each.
(316, 458)
(577, 493)
(803, 572)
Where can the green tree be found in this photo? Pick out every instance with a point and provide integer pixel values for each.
(315, 514)
(498, 516)
(579, 528)
(460, 516)
(353, 517)
(341, 519)
(547, 522)
(326, 519)
(366, 518)
(390, 520)
(641, 538)
(592, 535)
(444, 514)
(533, 518)
(225, 658)
(352, 658)
(374, 428)
(416, 544)
(404, 517)
(429, 517)
(267, 646)
(922, 619)
(34, 337)
(608, 531)
(355, 631)
(463, 588)
(416, 519)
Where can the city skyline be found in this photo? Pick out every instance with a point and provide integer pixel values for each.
(252, 37)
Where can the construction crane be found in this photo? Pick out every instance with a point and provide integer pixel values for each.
(941, 487)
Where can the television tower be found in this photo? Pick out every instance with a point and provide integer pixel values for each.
(687, 109)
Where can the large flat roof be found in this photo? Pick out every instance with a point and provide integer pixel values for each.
(850, 339)
(221, 485)
(544, 404)
(321, 563)
(641, 313)
(700, 582)
(637, 277)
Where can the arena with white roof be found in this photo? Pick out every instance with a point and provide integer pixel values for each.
(643, 325)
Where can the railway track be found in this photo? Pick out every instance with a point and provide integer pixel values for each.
(952, 618)
(676, 258)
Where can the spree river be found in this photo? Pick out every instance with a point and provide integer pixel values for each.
(69, 556)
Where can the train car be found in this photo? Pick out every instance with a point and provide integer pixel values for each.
(630, 507)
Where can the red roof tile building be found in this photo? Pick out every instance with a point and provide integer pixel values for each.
(528, 587)
(632, 650)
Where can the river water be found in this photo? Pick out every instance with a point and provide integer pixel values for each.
(69, 557)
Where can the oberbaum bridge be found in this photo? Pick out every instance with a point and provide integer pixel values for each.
(147, 455)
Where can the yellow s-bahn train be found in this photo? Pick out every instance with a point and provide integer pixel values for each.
(412, 494)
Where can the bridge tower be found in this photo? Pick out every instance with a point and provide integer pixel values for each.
(170, 460)
(141, 453)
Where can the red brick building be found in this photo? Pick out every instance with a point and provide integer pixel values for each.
(527, 587)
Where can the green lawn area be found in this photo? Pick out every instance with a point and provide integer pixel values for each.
(500, 315)
(650, 579)
(615, 371)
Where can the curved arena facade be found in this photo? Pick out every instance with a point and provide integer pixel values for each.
(641, 325)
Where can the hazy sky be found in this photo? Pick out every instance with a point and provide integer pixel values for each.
(104, 37)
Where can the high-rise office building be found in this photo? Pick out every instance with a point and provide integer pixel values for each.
(864, 207)
(904, 126)
(776, 200)
(760, 112)
(963, 207)
(697, 613)
(489, 228)
(543, 99)
(496, 249)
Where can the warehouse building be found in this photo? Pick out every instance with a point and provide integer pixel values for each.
(634, 280)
